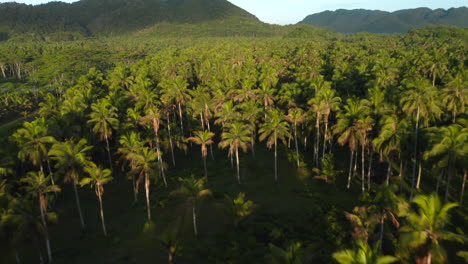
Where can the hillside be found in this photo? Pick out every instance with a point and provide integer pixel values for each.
(374, 21)
(94, 17)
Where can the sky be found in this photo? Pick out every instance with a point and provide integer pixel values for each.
(292, 11)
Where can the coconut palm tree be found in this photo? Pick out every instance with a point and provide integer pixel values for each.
(146, 163)
(420, 100)
(251, 113)
(203, 138)
(131, 144)
(33, 142)
(104, 119)
(193, 190)
(456, 95)
(424, 230)
(97, 178)
(296, 116)
(330, 103)
(275, 128)
(236, 136)
(236, 209)
(71, 160)
(37, 184)
(174, 91)
(450, 148)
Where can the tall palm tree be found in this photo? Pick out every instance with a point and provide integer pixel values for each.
(424, 229)
(104, 120)
(131, 144)
(175, 92)
(421, 100)
(275, 128)
(330, 103)
(236, 136)
(203, 138)
(450, 148)
(38, 186)
(296, 116)
(456, 95)
(97, 178)
(251, 113)
(153, 118)
(193, 190)
(146, 163)
(71, 160)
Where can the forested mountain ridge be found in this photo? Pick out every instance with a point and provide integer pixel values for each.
(375, 21)
(93, 17)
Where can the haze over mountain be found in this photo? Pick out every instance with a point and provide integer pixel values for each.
(374, 21)
(113, 16)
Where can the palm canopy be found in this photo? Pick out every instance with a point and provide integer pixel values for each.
(456, 94)
(450, 145)
(192, 188)
(237, 135)
(362, 254)
(70, 157)
(275, 128)
(202, 138)
(97, 177)
(425, 228)
(104, 118)
(33, 140)
(390, 137)
(350, 122)
(39, 184)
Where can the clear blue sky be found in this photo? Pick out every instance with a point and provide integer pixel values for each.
(293, 11)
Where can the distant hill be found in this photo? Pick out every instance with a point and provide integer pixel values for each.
(95, 17)
(374, 21)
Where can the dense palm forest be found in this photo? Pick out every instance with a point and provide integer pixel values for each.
(310, 148)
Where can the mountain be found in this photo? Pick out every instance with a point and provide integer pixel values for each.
(95, 17)
(374, 21)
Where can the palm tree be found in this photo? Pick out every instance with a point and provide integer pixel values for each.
(362, 254)
(32, 140)
(330, 103)
(193, 190)
(38, 186)
(456, 95)
(130, 145)
(451, 149)
(145, 164)
(104, 119)
(97, 178)
(153, 118)
(420, 100)
(175, 92)
(273, 129)
(350, 128)
(236, 136)
(424, 229)
(203, 138)
(71, 160)
(296, 116)
(251, 113)
(238, 208)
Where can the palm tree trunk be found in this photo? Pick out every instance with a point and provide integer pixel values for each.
(276, 161)
(237, 162)
(449, 176)
(46, 233)
(317, 140)
(363, 164)
(135, 190)
(369, 171)
(202, 121)
(194, 218)
(350, 169)
(108, 152)
(17, 257)
(148, 207)
(170, 138)
(77, 198)
(325, 137)
(211, 146)
(180, 117)
(463, 189)
(381, 234)
(418, 182)
(50, 171)
(297, 147)
(389, 172)
(204, 166)
(41, 260)
(102, 213)
(415, 152)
